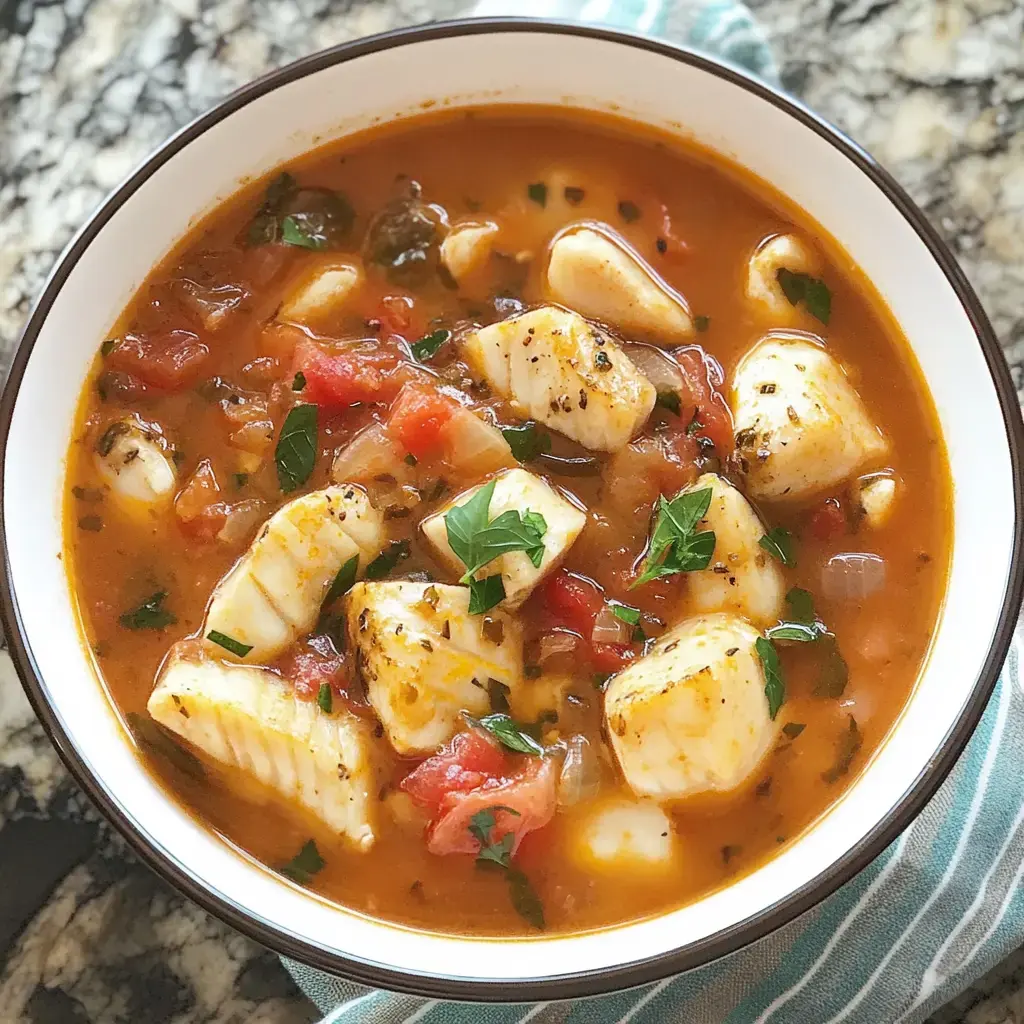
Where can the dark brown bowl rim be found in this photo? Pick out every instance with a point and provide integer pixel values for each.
(586, 983)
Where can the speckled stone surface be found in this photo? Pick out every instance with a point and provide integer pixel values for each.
(88, 87)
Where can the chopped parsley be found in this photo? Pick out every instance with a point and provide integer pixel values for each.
(812, 291)
(344, 579)
(625, 612)
(629, 211)
(670, 400)
(427, 347)
(847, 747)
(675, 547)
(701, 323)
(527, 441)
(325, 699)
(793, 729)
(694, 425)
(778, 542)
(774, 684)
(229, 643)
(386, 561)
(538, 192)
(509, 732)
(151, 614)
(295, 454)
(804, 626)
(305, 864)
(485, 594)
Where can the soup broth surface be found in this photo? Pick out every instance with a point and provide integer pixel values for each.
(230, 336)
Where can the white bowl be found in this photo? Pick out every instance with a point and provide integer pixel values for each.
(358, 84)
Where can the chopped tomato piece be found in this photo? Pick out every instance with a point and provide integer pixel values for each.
(612, 657)
(314, 663)
(170, 361)
(469, 760)
(198, 507)
(418, 419)
(573, 601)
(700, 396)
(396, 313)
(347, 378)
(530, 793)
(828, 520)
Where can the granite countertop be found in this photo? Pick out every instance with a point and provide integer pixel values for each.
(934, 88)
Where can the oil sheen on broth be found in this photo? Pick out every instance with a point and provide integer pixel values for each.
(501, 522)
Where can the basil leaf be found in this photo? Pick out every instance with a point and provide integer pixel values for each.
(626, 612)
(510, 733)
(296, 447)
(150, 614)
(834, 672)
(669, 400)
(779, 544)
(323, 220)
(480, 827)
(793, 729)
(774, 685)
(485, 594)
(812, 291)
(846, 750)
(801, 605)
(264, 227)
(463, 522)
(526, 902)
(387, 560)
(299, 382)
(798, 632)
(325, 699)
(229, 643)
(306, 863)
(527, 441)
(344, 580)
(160, 741)
(674, 547)
(427, 346)
(538, 524)
(538, 192)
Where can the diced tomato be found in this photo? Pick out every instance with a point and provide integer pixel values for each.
(702, 397)
(828, 520)
(170, 360)
(418, 419)
(314, 663)
(612, 657)
(347, 378)
(530, 793)
(198, 507)
(468, 761)
(572, 601)
(396, 313)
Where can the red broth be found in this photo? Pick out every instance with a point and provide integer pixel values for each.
(204, 360)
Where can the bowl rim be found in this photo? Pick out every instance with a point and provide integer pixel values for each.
(585, 983)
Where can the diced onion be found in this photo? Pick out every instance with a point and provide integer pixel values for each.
(661, 370)
(609, 628)
(580, 778)
(474, 446)
(369, 455)
(556, 642)
(241, 518)
(852, 576)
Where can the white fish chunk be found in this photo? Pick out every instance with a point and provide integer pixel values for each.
(467, 247)
(554, 366)
(425, 659)
(321, 294)
(763, 291)
(625, 835)
(250, 719)
(130, 460)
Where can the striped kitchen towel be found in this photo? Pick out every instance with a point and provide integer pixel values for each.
(938, 908)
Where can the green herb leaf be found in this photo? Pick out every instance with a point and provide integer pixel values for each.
(229, 643)
(510, 732)
(480, 827)
(793, 729)
(538, 192)
(629, 211)
(774, 685)
(701, 323)
(427, 346)
(107, 347)
(834, 672)
(160, 741)
(778, 542)
(305, 864)
(669, 400)
(600, 679)
(150, 614)
(325, 699)
(241, 479)
(801, 605)
(299, 382)
(485, 594)
(410, 459)
(846, 750)
(386, 561)
(626, 612)
(573, 195)
(806, 627)
(797, 632)
(527, 441)
(264, 227)
(694, 425)
(343, 581)
(812, 291)
(324, 221)
(296, 447)
(526, 902)
(674, 547)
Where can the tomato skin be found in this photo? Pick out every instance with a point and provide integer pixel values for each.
(828, 520)
(700, 396)
(198, 508)
(612, 657)
(418, 419)
(573, 601)
(348, 378)
(170, 360)
(467, 761)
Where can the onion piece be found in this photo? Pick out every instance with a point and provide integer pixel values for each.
(609, 628)
(369, 455)
(580, 778)
(241, 518)
(474, 447)
(558, 641)
(852, 576)
(658, 367)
